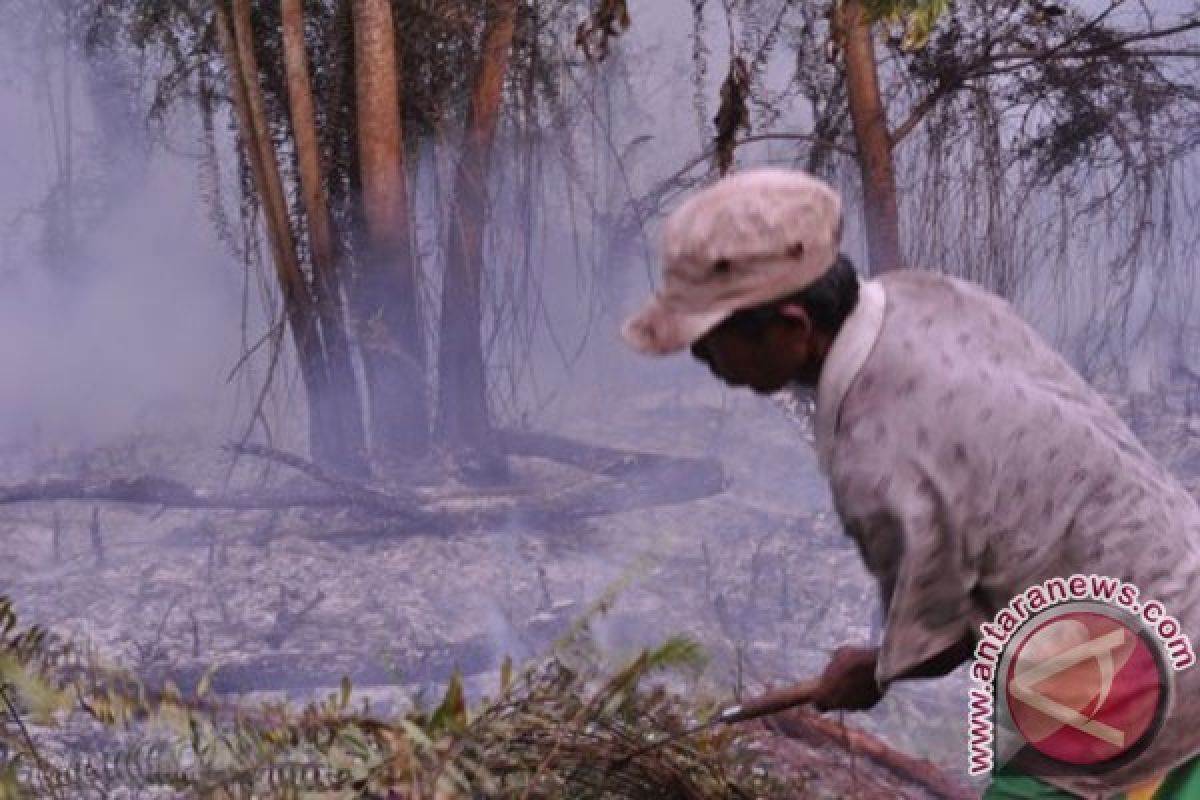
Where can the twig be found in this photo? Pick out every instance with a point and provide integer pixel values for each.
(222, 609)
(287, 621)
(97, 538)
(152, 651)
(785, 597)
(12, 712)
(250, 351)
(195, 633)
(544, 583)
(211, 532)
(257, 414)
(56, 541)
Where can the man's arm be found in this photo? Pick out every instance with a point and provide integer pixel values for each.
(945, 662)
(848, 682)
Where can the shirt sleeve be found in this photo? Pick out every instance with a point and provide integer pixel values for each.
(905, 542)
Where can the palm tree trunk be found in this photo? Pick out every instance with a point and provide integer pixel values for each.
(463, 416)
(350, 442)
(238, 48)
(874, 142)
(384, 294)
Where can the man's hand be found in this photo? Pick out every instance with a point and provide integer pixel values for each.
(848, 682)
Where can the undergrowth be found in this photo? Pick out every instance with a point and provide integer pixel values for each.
(569, 725)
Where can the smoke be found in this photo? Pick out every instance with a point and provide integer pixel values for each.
(119, 311)
(139, 343)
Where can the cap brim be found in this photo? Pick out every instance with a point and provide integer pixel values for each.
(659, 331)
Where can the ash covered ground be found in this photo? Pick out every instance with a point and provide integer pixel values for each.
(287, 601)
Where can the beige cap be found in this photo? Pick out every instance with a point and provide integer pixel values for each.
(748, 239)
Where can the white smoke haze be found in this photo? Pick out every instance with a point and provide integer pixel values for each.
(138, 341)
(142, 335)
(142, 342)
(135, 329)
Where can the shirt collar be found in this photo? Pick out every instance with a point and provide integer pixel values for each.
(849, 351)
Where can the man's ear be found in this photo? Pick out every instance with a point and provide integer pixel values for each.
(797, 316)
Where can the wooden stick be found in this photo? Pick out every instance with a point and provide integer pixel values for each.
(772, 702)
(807, 725)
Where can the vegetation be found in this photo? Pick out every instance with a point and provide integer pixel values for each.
(367, 130)
(566, 726)
(340, 110)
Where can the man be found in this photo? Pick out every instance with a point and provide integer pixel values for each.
(966, 459)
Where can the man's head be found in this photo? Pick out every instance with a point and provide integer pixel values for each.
(752, 280)
(769, 346)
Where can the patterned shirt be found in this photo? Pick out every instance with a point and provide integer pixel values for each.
(968, 462)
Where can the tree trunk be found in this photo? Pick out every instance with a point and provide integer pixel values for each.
(881, 215)
(238, 49)
(1000, 268)
(463, 417)
(384, 294)
(69, 245)
(349, 444)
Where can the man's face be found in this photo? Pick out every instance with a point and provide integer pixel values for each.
(763, 349)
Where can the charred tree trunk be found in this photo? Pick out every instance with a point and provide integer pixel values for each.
(238, 49)
(348, 446)
(874, 142)
(384, 294)
(463, 416)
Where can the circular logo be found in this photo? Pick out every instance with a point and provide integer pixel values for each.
(1085, 686)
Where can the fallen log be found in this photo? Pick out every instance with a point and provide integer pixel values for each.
(635, 479)
(303, 671)
(431, 663)
(625, 481)
(146, 490)
(355, 492)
